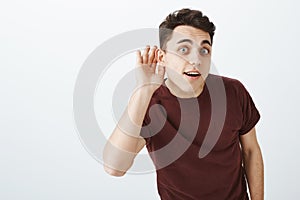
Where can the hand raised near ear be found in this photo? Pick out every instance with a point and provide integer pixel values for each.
(146, 74)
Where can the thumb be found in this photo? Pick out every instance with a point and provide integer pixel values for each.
(161, 71)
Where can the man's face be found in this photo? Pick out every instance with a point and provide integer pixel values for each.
(188, 57)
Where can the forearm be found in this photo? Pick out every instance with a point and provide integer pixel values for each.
(121, 148)
(253, 163)
(127, 131)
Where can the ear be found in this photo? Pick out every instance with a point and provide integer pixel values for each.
(160, 56)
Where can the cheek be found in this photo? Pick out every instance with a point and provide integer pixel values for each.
(206, 61)
(175, 61)
(206, 65)
(172, 71)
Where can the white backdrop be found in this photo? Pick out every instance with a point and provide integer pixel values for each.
(43, 44)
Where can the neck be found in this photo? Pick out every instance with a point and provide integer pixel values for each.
(178, 92)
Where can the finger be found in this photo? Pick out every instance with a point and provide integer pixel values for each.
(152, 55)
(139, 59)
(155, 59)
(145, 55)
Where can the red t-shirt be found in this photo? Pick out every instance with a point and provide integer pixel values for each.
(175, 129)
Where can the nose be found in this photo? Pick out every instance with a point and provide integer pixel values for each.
(195, 58)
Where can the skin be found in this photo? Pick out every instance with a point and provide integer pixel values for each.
(253, 163)
(187, 45)
(125, 142)
(189, 49)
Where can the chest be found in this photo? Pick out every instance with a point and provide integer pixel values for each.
(199, 122)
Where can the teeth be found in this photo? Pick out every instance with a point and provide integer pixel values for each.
(192, 73)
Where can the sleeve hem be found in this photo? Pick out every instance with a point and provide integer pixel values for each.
(243, 132)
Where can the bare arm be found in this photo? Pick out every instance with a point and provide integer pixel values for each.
(125, 141)
(253, 163)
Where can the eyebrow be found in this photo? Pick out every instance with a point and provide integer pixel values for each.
(191, 42)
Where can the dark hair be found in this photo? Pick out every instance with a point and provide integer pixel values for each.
(185, 16)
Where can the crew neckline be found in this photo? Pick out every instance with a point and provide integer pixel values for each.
(188, 98)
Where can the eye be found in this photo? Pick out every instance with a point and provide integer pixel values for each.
(204, 51)
(183, 50)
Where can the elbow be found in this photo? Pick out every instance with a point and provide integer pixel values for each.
(114, 172)
(116, 161)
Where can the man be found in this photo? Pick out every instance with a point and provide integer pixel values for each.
(199, 133)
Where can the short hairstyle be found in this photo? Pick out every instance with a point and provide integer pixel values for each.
(185, 16)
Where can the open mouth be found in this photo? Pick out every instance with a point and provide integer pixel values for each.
(192, 74)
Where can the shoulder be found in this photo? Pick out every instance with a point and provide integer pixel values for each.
(226, 80)
(163, 93)
(230, 84)
(235, 91)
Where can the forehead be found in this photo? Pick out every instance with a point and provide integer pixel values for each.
(188, 32)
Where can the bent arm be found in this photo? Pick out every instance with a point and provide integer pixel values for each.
(253, 163)
(125, 141)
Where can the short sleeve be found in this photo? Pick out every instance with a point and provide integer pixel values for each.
(249, 111)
